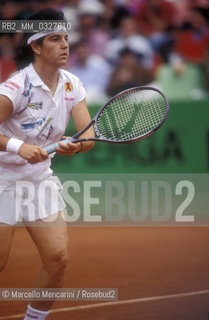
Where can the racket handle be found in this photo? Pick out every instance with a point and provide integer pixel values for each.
(52, 147)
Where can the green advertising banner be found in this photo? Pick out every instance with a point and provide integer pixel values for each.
(181, 145)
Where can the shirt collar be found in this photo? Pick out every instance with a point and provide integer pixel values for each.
(36, 80)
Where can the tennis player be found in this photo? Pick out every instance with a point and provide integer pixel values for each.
(36, 104)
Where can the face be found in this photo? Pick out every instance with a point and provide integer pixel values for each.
(54, 49)
(82, 52)
(197, 20)
(128, 27)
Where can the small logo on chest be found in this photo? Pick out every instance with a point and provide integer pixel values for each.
(34, 105)
(68, 87)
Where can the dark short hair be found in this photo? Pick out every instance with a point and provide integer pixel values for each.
(24, 53)
(204, 12)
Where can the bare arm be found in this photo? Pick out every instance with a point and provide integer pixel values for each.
(6, 109)
(31, 153)
(81, 118)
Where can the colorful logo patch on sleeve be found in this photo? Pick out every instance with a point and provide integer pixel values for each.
(11, 85)
(68, 86)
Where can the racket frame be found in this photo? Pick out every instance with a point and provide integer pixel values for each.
(75, 137)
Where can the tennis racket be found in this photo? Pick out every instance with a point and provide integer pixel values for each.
(129, 116)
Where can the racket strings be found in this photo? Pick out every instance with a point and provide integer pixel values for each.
(132, 115)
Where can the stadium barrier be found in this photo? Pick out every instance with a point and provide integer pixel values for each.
(180, 146)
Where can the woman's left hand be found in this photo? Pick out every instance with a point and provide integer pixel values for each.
(68, 149)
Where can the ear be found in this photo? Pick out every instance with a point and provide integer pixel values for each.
(35, 47)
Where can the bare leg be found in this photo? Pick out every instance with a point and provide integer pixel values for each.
(6, 235)
(51, 240)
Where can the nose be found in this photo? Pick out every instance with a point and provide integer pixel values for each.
(64, 43)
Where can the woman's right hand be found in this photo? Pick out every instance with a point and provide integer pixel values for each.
(32, 153)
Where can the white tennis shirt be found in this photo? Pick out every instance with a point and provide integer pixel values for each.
(38, 117)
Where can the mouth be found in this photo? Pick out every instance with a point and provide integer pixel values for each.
(64, 55)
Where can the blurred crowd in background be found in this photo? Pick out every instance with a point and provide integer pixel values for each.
(118, 44)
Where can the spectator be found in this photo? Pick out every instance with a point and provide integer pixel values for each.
(7, 65)
(128, 73)
(192, 44)
(155, 16)
(156, 20)
(9, 9)
(184, 7)
(114, 13)
(128, 37)
(90, 16)
(71, 12)
(93, 71)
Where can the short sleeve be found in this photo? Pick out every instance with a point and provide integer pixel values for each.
(80, 92)
(12, 90)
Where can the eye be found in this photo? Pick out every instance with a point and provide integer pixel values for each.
(54, 38)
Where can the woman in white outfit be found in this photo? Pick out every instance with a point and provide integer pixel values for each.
(36, 104)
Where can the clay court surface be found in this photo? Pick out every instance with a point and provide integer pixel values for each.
(161, 273)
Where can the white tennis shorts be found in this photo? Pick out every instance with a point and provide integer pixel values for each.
(30, 201)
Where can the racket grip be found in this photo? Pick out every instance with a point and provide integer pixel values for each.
(52, 147)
